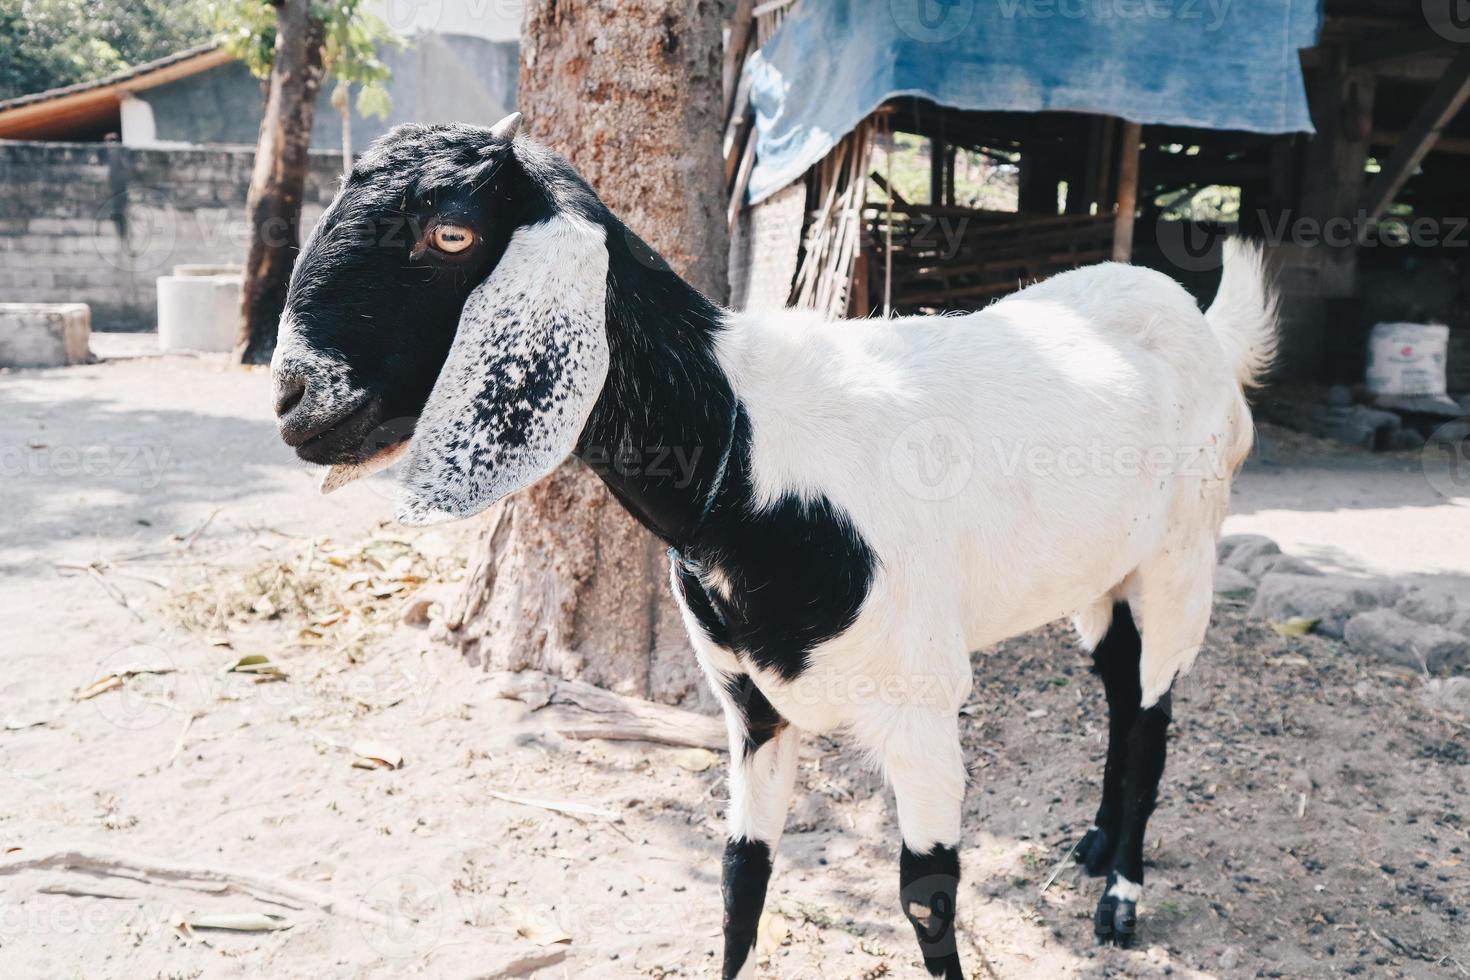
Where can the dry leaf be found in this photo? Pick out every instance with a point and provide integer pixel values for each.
(102, 686)
(695, 760)
(1295, 626)
(416, 612)
(539, 930)
(240, 922)
(255, 663)
(770, 933)
(376, 755)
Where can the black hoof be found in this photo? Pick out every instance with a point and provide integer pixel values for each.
(1094, 852)
(1116, 921)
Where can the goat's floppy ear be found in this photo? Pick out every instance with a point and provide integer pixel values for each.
(525, 369)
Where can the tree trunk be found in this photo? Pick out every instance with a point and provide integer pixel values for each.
(565, 581)
(279, 179)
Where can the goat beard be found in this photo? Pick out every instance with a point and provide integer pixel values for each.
(342, 474)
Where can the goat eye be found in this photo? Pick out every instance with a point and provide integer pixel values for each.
(451, 239)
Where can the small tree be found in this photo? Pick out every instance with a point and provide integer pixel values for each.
(294, 43)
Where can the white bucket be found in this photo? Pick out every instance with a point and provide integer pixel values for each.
(198, 312)
(1407, 358)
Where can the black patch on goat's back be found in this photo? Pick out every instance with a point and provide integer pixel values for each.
(798, 571)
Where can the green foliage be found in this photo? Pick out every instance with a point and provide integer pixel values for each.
(1214, 203)
(50, 43)
(247, 29)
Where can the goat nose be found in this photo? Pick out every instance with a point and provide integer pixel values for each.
(290, 389)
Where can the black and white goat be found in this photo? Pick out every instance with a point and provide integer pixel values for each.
(871, 500)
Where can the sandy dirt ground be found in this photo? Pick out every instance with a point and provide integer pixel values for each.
(1313, 817)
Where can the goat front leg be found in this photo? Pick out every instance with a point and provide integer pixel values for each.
(763, 754)
(922, 758)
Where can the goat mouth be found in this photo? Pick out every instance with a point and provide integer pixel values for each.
(352, 438)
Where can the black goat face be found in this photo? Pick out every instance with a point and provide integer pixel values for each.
(451, 302)
(376, 294)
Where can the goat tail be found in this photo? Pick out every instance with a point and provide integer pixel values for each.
(1243, 315)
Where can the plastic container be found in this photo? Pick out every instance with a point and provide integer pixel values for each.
(198, 312)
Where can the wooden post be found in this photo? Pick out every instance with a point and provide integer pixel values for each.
(1129, 139)
(1333, 175)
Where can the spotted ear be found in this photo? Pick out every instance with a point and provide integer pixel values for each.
(527, 364)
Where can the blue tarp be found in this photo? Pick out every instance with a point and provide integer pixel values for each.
(1216, 64)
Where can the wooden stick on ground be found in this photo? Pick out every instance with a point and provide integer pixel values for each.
(581, 711)
(108, 864)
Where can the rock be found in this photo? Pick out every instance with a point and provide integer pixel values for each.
(1303, 416)
(1369, 428)
(1240, 550)
(1438, 405)
(1331, 599)
(1267, 564)
(1385, 634)
(1451, 433)
(1405, 439)
(1229, 959)
(1232, 581)
(45, 334)
(1427, 607)
(1340, 396)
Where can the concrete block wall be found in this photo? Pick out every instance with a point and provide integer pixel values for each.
(98, 223)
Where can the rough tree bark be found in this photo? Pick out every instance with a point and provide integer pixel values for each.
(278, 181)
(564, 580)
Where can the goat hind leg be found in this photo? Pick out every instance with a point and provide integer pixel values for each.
(1115, 660)
(1173, 601)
